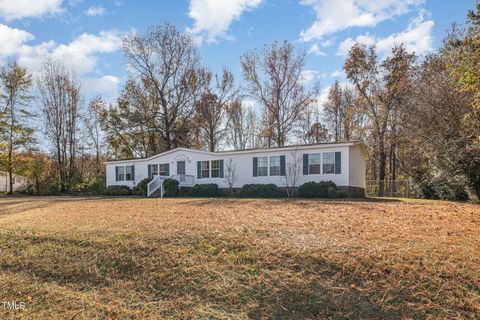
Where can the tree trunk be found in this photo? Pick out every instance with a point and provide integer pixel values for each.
(381, 173)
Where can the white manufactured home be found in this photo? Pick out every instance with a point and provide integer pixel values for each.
(342, 163)
(18, 182)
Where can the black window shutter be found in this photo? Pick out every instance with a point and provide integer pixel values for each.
(199, 169)
(133, 173)
(255, 166)
(116, 173)
(282, 165)
(221, 168)
(338, 162)
(305, 164)
(149, 171)
(167, 166)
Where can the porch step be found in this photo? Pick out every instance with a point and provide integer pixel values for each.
(156, 194)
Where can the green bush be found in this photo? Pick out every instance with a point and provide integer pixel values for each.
(259, 191)
(141, 188)
(95, 186)
(322, 189)
(118, 191)
(170, 187)
(444, 186)
(204, 190)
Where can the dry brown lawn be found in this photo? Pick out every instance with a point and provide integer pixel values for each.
(100, 258)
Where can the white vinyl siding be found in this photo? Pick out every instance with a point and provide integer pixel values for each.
(243, 163)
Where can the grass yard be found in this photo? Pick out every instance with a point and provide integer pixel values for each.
(72, 258)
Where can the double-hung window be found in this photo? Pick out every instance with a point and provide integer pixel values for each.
(162, 169)
(129, 173)
(215, 168)
(205, 168)
(314, 163)
(154, 170)
(275, 166)
(262, 168)
(121, 173)
(328, 162)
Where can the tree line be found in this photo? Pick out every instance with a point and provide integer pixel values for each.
(418, 117)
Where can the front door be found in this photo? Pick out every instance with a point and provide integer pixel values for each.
(180, 167)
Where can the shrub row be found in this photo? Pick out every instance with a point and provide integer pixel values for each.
(323, 189)
(259, 191)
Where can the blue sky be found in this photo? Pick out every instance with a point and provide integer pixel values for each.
(86, 34)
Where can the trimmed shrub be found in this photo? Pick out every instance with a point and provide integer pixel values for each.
(141, 188)
(259, 191)
(204, 190)
(170, 187)
(118, 191)
(332, 192)
(318, 190)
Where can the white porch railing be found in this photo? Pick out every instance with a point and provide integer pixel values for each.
(184, 179)
(157, 183)
(154, 185)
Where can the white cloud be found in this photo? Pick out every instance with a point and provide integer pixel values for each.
(11, 39)
(17, 9)
(328, 42)
(346, 44)
(337, 74)
(416, 38)
(337, 15)
(81, 54)
(213, 17)
(308, 75)
(96, 11)
(106, 84)
(314, 49)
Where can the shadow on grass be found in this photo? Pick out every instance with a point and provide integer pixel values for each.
(230, 273)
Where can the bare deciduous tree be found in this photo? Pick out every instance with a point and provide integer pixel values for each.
(293, 169)
(60, 97)
(93, 129)
(274, 79)
(383, 87)
(243, 126)
(211, 109)
(230, 174)
(168, 62)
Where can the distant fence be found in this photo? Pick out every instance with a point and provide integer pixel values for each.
(393, 188)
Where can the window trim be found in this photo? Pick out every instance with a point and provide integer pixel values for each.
(129, 174)
(333, 162)
(266, 167)
(155, 171)
(204, 170)
(319, 164)
(277, 166)
(217, 169)
(164, 171)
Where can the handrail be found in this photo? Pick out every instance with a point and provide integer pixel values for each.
(153, 186)
(184, 180)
